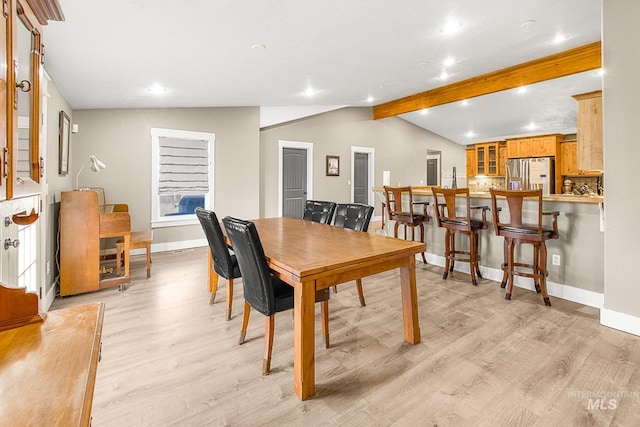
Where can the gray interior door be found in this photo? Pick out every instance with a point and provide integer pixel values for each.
(294, 181)
(361, 178)
(432, 172)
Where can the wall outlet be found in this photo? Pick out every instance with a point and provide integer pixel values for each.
(555, 259)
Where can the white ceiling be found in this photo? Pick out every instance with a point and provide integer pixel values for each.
(209, 53)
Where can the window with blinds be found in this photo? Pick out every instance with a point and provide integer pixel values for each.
(182, 175)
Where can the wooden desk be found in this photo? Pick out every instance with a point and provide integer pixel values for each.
(48, 369)
(311, 256)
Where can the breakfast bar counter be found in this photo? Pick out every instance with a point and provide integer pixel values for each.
(579, 251)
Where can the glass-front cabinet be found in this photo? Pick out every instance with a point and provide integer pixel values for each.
(487, 158)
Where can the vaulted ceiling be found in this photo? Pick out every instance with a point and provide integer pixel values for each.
(311, 56)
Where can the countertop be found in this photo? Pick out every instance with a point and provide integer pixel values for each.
(423, 190)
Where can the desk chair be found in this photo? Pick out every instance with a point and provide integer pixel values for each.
(517, 232)
(263, 291)
(448, 202)
(400, 209)
(319, 211)
(356, 217)
(225, 263)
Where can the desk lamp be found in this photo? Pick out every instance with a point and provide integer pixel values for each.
(96, 166)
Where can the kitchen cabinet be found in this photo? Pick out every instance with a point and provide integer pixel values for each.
(589, 126)
(534, 146)
(487, 158)
(569, 161)
(472, 167)
(502, 159)
(569, 158)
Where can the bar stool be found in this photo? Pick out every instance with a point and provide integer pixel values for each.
(448, 202)
(516, 232)
(402, 213)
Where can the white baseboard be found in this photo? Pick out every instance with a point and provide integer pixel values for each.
(620, 321)
(557, 290)
(172, 246)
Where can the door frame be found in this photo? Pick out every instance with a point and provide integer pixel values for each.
(371, 166)
(308, 146)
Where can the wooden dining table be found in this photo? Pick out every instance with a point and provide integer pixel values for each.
(311, 256)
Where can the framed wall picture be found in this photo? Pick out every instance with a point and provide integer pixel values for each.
(333, 165)
(64, 132)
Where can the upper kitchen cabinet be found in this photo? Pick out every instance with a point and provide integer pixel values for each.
(472, 167)
(488, 158)
(533, 146)
(589, 126)
(22, 56)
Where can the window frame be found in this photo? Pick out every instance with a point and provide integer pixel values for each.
(178, 220)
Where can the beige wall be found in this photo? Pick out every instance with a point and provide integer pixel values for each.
(400, 147)
(621, 110)
(122, 139)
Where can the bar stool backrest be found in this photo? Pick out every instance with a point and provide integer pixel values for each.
(515, 201)
(448, 201)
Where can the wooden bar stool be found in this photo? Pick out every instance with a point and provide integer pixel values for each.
(448, 202)
(401, 211)
(139, 240)
(516, 232)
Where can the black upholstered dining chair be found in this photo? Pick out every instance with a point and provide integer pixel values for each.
(263, 291)
(319, 211)
(224, 262)
(354, 216)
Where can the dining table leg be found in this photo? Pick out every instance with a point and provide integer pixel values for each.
(304, 339)
(410, 302)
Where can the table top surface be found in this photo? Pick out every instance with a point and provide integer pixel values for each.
(47, 369)
(307, 248)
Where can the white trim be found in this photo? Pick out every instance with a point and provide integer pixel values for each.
(557, 290)
(172, 221)
(282, 144)
(172, 246)
(371, 159)
(620, 321)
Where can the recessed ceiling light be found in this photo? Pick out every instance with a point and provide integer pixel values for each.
(464, 102)
(156, 89)
(424, 111)
(522, 89)
(259, 46)
(451, 26)
(600, 72)
(449, 61)
(532, 126)
(370, 99)
(470, 134)
(309, 91)
(444, 75)
(527, 23)
(559, 38)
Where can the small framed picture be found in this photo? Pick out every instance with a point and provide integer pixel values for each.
(333, 165)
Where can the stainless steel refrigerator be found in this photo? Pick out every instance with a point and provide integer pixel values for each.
(531, 174)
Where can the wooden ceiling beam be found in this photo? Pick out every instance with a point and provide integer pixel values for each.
(577, 60)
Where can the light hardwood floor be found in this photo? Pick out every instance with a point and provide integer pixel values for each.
(170, 359)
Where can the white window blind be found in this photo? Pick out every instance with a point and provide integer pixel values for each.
(183, 166)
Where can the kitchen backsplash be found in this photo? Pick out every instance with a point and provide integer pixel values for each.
(484, 184)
